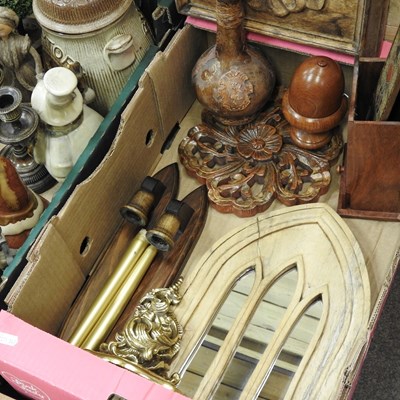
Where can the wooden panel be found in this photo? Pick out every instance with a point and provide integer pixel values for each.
(370, 182)
(330, 24)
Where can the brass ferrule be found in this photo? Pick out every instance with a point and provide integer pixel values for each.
(138, 210)
(163, 234)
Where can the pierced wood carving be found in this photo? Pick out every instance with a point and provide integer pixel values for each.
(246, 167)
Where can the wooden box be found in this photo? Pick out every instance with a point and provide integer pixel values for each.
(338, 25)
(370, 180)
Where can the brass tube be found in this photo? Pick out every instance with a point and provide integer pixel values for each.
(109, 290)
(110, 316)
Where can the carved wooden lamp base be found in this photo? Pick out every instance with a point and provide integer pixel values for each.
(247, 167)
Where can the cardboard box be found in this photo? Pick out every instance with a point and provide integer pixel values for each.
(83, 168)
(41, 366)
(72, 241)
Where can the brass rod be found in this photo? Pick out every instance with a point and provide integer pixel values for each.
(109, 290)
(110, 316)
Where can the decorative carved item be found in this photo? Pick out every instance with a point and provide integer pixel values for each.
(20, 207)
(344, 26)
(21, 62)
(244, 150)
(101, 40)
(231, 79)
(18, 128)
(315, 102)
(246, 167)
(151, 338)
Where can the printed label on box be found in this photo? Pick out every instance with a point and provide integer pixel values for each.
(25, 387)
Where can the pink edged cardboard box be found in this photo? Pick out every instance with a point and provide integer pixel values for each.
(44, 367)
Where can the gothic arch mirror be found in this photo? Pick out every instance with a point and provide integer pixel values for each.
(278, 309)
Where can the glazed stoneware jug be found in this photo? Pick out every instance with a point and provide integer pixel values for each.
(102, 41)
(67, 124)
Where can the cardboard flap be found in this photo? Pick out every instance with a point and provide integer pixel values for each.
(63, 256)
(47, 282)
(171, 72)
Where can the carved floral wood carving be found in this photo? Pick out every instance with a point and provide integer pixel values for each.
(247, 167)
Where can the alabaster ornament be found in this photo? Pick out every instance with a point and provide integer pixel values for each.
(315, 102)
(20, 62)
(232, 79)
(101, 40)
(20, 207)
(67, 124)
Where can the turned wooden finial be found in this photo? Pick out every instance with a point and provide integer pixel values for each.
(315, 102)
(20, 207)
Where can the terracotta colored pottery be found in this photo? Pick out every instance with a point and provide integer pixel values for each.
(231, 79)
(20, 207)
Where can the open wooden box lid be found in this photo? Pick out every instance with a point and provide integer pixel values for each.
(345, 26)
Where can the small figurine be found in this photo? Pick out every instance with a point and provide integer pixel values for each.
(19, 59)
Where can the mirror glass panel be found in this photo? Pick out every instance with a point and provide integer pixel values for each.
(217, 333)
(291, 353)
(258, 335)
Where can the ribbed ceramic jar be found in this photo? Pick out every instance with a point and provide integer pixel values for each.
(102, 40)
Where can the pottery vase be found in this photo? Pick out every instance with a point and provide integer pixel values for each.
(232, 79)
(67, 124)
(20, 207)
(102, 41)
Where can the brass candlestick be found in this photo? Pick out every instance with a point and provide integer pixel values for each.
(112, 286)
(113, 311)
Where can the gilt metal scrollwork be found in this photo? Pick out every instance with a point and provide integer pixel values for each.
(151, 338)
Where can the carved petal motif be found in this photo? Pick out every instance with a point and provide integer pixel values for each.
(247, 167)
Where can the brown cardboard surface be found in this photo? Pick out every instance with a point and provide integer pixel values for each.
(63, 257)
